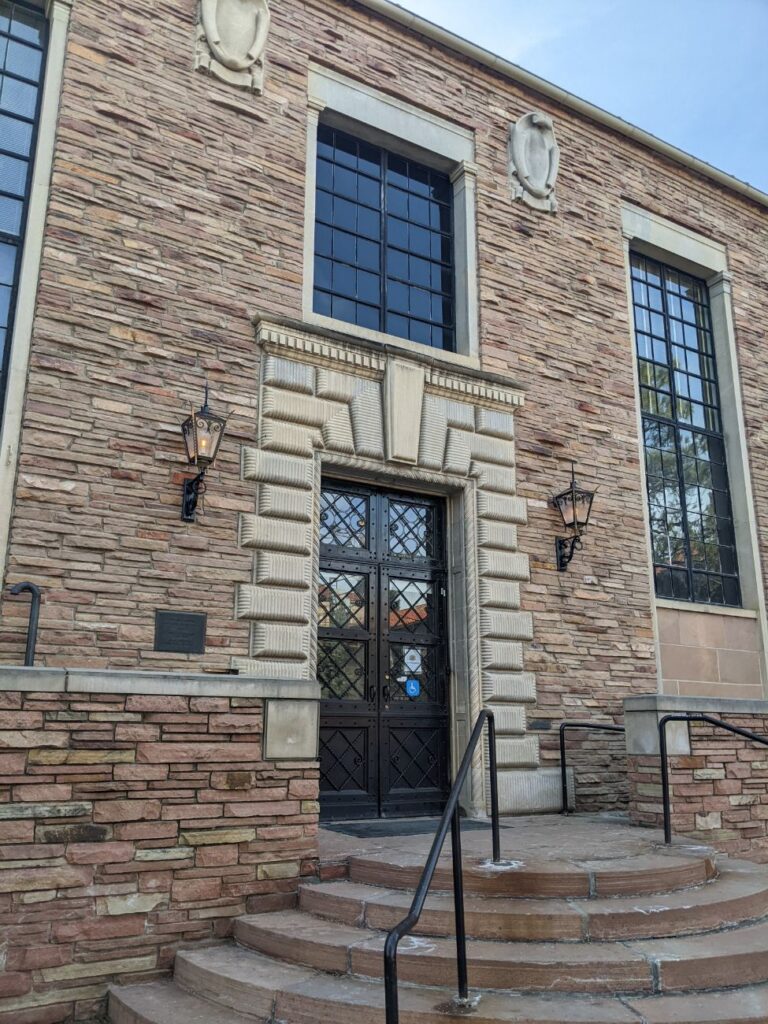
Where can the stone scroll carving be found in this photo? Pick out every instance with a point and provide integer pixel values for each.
(534, 160)
(231, 40)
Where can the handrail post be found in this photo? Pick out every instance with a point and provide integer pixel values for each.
(494, 787)
(450, 819)
(564, 808)
(665, 779)
(458, 907)
(34, 615)
(391, 1004)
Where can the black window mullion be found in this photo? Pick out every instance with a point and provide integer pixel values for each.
(6, 237)
(678, 447)
(383, 261)
(417, 300)
(715, 531)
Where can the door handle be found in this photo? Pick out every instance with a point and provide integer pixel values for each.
(385, 694)
(371, 694)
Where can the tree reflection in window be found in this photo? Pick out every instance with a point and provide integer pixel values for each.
(692, 536)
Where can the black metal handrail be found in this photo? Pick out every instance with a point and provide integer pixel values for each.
(450, 819)
(565, 807)
(34, 615)
(690, 716)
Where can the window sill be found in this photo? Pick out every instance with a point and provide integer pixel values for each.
(424, 353)
(707, 609)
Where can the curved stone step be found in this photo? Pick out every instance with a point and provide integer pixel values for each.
(162, 1002)
(642, 875)
(231, 975)
(238, 977)
(739, 1006)
(739, 894)
(298, 938)
(715, 960)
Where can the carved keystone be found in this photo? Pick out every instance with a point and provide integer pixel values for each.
(403, 398)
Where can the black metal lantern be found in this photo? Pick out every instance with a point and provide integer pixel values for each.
(203, 433)
(575, 507)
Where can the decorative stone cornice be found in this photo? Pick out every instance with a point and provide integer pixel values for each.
(320, 351)
(464, 388)
(362, 359)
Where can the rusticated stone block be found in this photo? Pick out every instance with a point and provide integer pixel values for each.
(77, 833)
(175, 753)
(215, 836)
(127, 810)
(99, 853)
(76, 809)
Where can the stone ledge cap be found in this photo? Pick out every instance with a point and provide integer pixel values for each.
(55, 680)
(661, 703)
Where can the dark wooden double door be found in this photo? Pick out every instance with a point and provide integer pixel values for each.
(382, 654)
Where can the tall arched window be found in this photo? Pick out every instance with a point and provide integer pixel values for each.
(23, 41)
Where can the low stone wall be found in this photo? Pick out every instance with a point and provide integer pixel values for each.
(718, 781)
(133, 823)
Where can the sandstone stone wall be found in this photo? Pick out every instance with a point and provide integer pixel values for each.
(718, 792)
(177, 217)
(131, 825)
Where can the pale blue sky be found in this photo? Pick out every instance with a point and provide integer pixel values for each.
(693, 72)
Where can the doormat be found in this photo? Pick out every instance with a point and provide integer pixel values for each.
(383, 828)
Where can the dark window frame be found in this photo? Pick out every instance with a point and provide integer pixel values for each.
(680, 403)
(408, 241)
(9, 238)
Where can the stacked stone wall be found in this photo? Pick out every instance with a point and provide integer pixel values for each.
(718, 792)
(177, 217)
(131, 825)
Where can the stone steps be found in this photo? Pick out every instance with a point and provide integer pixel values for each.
(741, 893)
(652, 937)
(227, 976)
(646, 874)
(687, 963)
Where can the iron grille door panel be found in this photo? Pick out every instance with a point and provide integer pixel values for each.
(382, 654)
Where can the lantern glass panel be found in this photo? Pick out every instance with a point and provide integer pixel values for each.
(208, 433)
(188, 432)
(583, 507)
(565, 504)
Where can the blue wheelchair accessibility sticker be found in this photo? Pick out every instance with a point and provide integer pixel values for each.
(412, 687)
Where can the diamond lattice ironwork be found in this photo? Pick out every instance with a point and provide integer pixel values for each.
(341, 669)
(342, 759)
(415, 758)
(411, 605)
(411, 530)
(342, 600)
(343, 519)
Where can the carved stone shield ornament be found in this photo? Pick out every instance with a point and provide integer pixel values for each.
(231, 39)
(534, 160)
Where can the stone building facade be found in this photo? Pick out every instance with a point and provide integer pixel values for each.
(171, 235)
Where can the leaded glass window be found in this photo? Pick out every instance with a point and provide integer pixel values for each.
(383, 241)
(692, 535)
(22, 64)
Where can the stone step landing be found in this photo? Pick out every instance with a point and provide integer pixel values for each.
(591, 923)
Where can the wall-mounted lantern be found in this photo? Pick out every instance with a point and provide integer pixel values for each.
(575, 507)
(202, 432)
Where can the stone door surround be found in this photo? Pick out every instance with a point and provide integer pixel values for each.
(361, 411)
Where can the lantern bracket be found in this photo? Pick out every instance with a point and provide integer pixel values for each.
(193, 489)
(565, 550)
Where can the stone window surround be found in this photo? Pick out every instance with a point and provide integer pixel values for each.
(654, 236)
(399, 127)
(58, 13)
